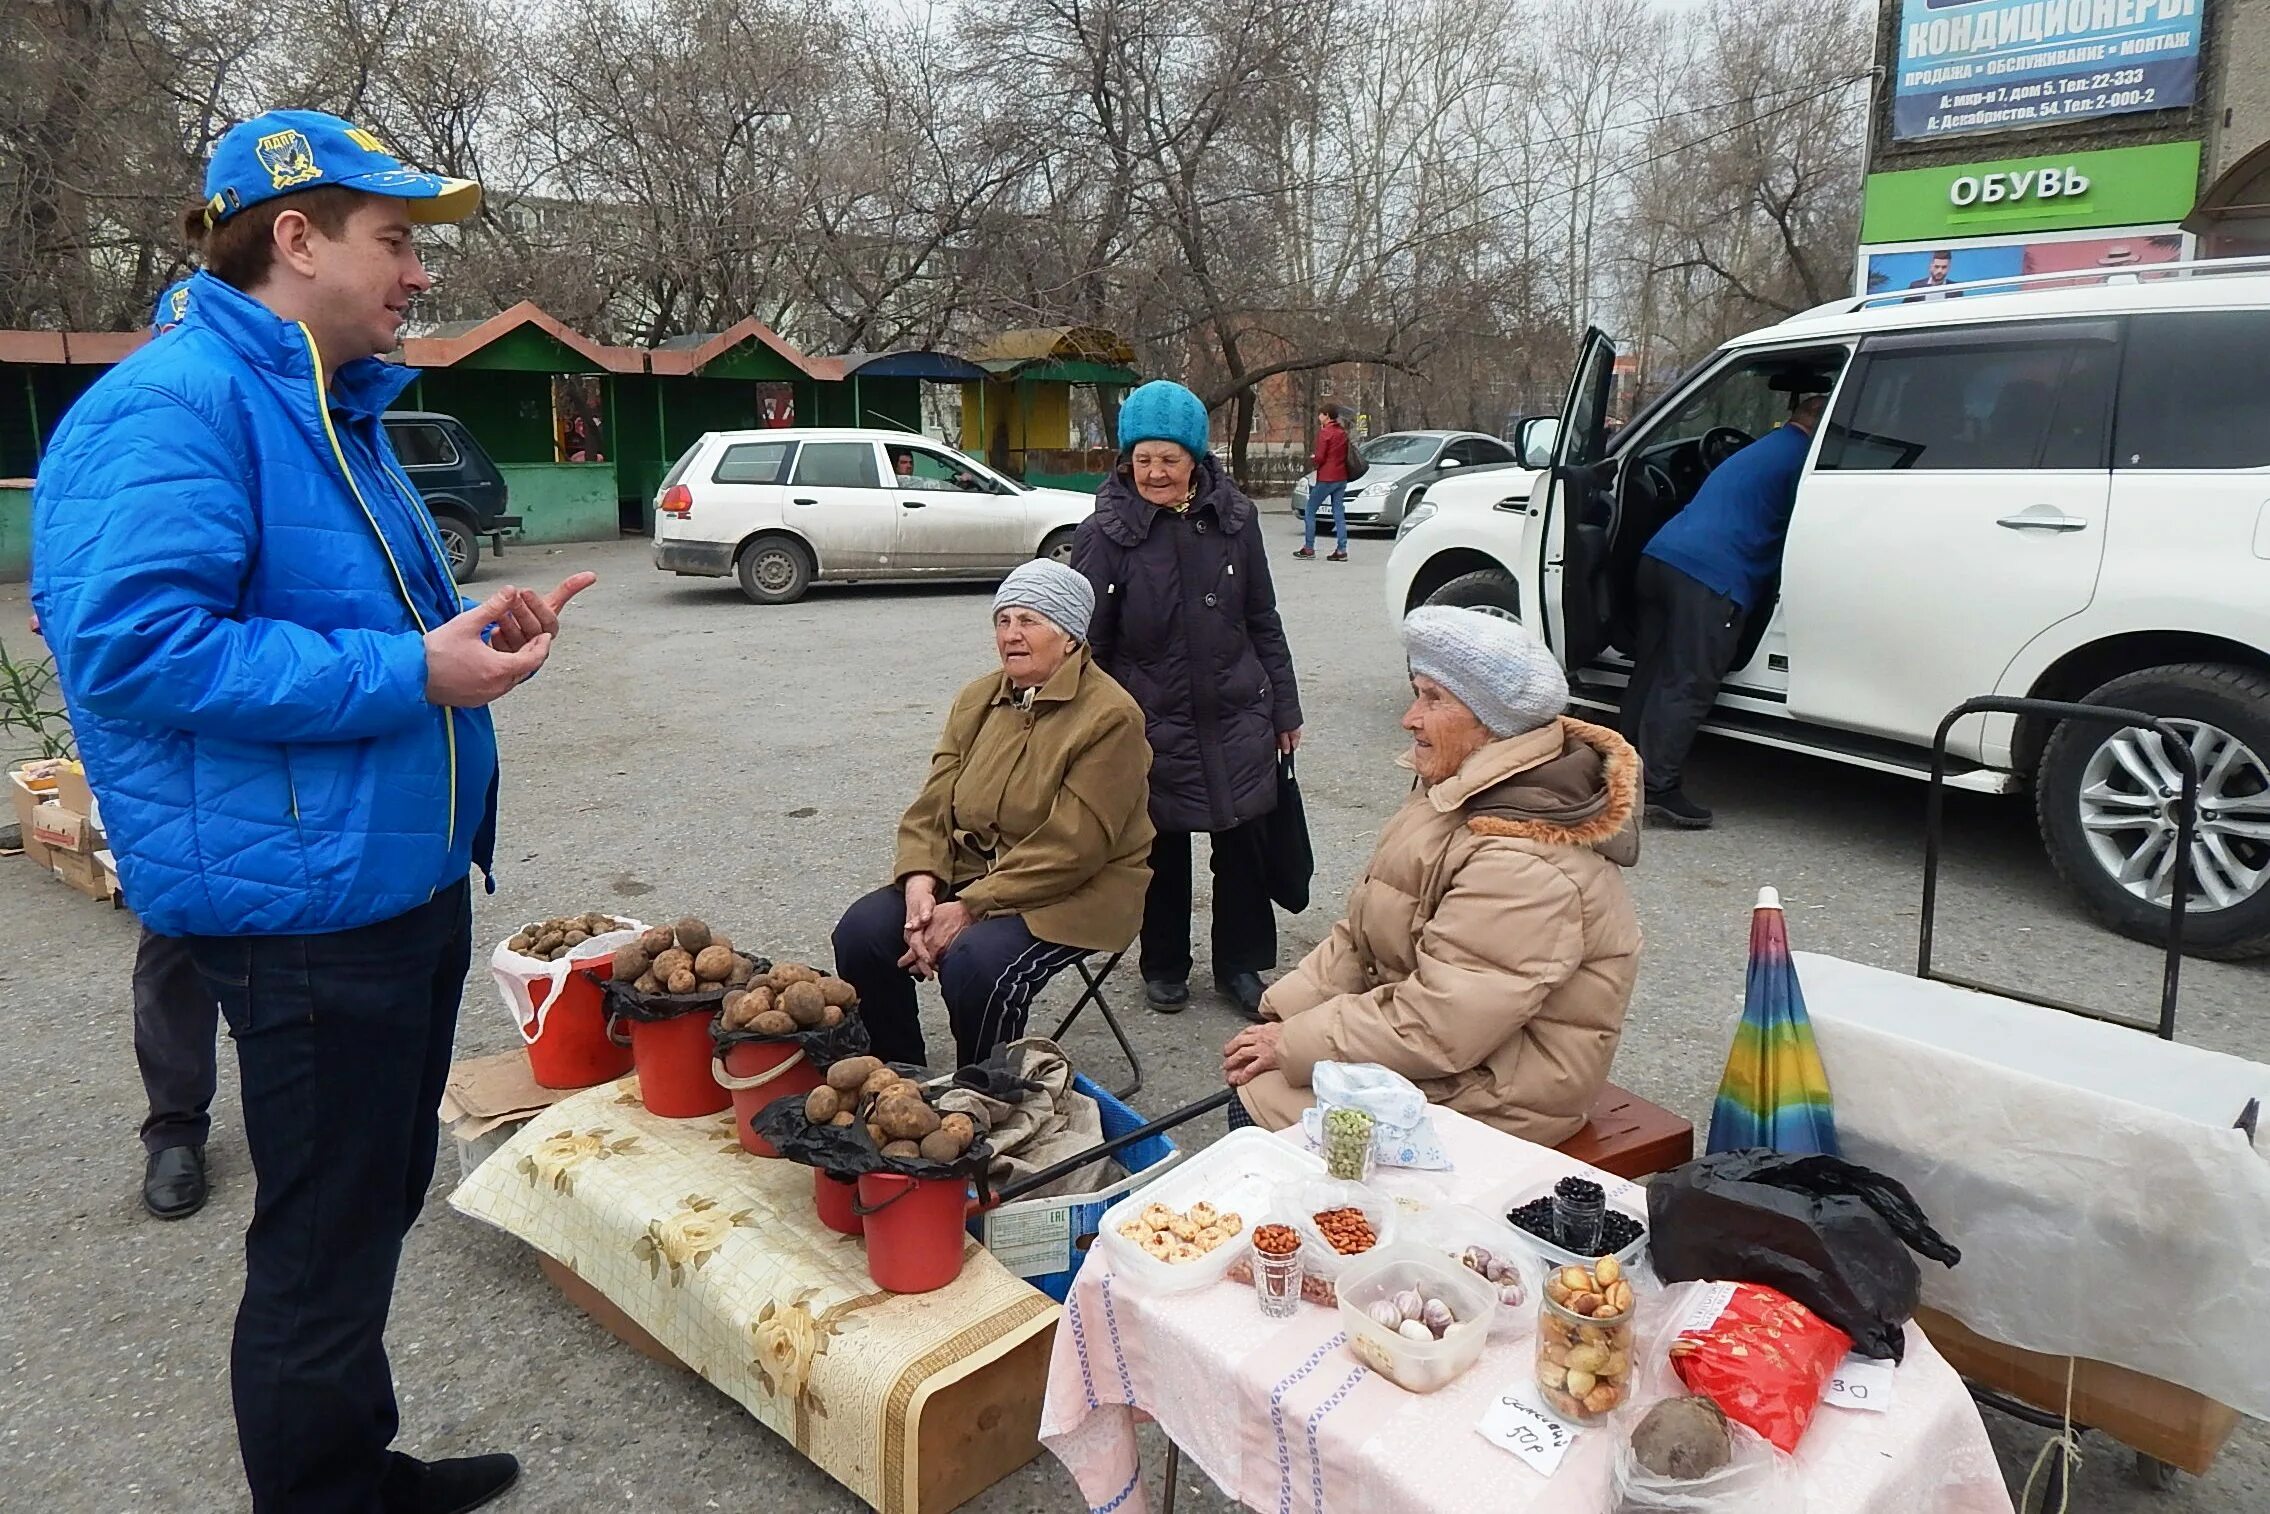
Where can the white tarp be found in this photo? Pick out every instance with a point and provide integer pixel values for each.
(2104, 1205)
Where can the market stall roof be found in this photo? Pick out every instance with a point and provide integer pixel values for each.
(2240, 192)
(686, 355)
(914, 363)
(457, 341)
(1044, 344)
(1061, 371)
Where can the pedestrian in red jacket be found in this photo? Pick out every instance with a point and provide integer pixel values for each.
(1330, 460)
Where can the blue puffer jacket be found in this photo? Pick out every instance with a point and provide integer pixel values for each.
(236, 578)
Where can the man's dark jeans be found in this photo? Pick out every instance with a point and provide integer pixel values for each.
(343, 1043)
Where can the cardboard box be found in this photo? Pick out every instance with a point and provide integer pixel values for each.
(1044, 1240)
(71, 790)
(82, 873)
(487, 1099)
(2176, 1425)
(61, 831)
(26, 801)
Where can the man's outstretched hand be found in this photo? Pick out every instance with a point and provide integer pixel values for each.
(464, 671)
(530, 614)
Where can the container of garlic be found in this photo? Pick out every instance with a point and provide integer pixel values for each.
(1493, 1251)
(1442, 1313)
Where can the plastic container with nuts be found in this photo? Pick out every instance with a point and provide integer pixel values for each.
(1586, 1349)
(1398, 1354)
(1338, 1222)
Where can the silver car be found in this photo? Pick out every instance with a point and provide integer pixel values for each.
(1401, 461)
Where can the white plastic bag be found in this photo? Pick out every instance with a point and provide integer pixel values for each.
(1757, 1479)
(1402, 1133)
(516, 974)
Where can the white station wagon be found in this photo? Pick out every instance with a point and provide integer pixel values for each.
(780, 509)
(2052, 487)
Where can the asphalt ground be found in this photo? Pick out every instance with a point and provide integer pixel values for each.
(686, 752)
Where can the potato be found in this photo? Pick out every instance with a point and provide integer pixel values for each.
(647, 983)
(904, 1116)
(906, 1149)
(719, 938)
(683, 981)
(844, 1119)
(786, 973)
(878, 1080)
(575, 937)
(772, 1023)
(712, 963)
(521, 942)
(691, 935)
(732, 1010)
(941, 1146)
(961, 1127)
(656, 941)
(821, 1104)
(631, 962)
(597, 924)
(549, 942)
(804, 1004)
(831, 1016)
(848, 1074)
(875, 1134)
(760, 1002)
(667, 963)
(741, 974)
(838, 993)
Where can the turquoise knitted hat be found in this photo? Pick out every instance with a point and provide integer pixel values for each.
(1162, 411)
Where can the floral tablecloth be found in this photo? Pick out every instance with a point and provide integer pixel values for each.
(1280, 1415)
(720, 1256)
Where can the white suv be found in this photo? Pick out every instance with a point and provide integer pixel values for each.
(2050, 487)
(781, 508)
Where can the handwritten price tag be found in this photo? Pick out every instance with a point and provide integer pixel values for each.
(1860, 1382)
(1520, 1426)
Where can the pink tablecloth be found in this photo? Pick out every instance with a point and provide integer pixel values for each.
(1279, 1413)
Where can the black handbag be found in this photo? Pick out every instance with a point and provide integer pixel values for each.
(1291, 860)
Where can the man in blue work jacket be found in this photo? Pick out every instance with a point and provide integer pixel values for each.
(1699, 578)
(281, 701)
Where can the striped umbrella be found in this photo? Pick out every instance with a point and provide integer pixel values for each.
(1774, 1093)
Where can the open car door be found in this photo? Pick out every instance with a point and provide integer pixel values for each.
(1569, 547)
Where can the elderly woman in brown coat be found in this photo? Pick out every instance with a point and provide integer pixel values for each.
(1489, 950)
(1025, 850)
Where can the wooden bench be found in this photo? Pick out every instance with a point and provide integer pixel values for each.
(1630, 1137)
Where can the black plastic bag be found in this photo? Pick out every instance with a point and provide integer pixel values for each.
(1833, 1235)
(823, 1045)
(845, 1151)
(627, 1003)
(1291, 859)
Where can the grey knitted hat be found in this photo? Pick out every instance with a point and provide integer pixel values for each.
(1047, 587)
(1490, 664)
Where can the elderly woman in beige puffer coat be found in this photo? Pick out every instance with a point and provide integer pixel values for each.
(1489, 951)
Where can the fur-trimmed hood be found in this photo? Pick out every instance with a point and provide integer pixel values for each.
(1571, 783)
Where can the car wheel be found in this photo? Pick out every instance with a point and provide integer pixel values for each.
(2106, 802)
(1058, 547)
(774, 570)
(460, 545)
(1490, 590)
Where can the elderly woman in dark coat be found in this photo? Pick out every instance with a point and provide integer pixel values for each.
(1186, 620)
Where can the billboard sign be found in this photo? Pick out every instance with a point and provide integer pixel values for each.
(1918, 273)
(2006, 65)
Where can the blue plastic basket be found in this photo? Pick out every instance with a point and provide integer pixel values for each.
(1046, 1239)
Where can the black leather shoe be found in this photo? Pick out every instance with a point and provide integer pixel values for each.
(454, 1486)
(173, 1182)
(1167, 997)
(1675, 809)
(1246, 989)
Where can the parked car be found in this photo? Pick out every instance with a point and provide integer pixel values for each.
(782, 509)
(2021, 490)
(1400, 458)
(458, 482)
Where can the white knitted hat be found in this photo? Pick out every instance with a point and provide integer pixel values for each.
(1490, 664)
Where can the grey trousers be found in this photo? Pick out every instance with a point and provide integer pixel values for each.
(176, 1021)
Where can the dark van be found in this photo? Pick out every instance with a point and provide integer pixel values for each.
(461, 486)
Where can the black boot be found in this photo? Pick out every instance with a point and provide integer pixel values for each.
(1167, 996)
(174, 1186)
(454, 1486)
(1675, 809)
(1245, 989)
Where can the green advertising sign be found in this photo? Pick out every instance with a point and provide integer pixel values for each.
(2120, 186)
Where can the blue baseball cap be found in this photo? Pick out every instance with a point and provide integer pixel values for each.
(286, 150)
(172, 306)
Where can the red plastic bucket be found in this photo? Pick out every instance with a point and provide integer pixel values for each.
(914, 1230)
(571, 1049)
(672, 1057)
(755, 1073)
(837, 1201)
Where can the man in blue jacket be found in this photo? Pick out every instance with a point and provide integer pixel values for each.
(281, 702)
(1698, 580)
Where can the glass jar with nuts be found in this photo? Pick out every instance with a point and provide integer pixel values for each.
(1585, 1344)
